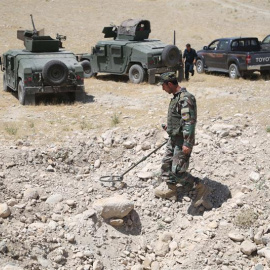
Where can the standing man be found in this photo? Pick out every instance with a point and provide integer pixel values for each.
(189, 58)
(181, 122)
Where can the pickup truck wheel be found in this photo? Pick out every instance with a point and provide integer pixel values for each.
(233, 71)
(136, 74)
(21, 93)
(87, 69)
(55, 73)
(199, 66)
(5, 87)
(170, 56)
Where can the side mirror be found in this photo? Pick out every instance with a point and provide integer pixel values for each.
(260, 42)
(0, 61)
(205, 48)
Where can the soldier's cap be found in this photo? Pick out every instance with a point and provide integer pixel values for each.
(167, 77)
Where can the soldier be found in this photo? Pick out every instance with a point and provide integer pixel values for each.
(189, 58)
(181, 122)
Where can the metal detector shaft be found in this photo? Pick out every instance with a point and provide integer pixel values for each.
(144, 158)
(115, 178)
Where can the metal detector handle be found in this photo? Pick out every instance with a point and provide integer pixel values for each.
(144, 158)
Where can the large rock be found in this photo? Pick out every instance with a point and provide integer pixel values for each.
(113, 207)
(161, 248)
(31, 193)
(4, 210)
(97, 163)
(3, 247)
(254, 176)
(129, 144)
(162, 245)
(108, 137)
(266, 239)
(97, 265)
(258, 236)
(236, 236)
(265, 252)
(54, 199)
(222, 128)
(145, 175)
(165, 237)
(258, 267)
(146, 146)
(248, 247)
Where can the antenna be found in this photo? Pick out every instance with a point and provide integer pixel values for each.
(174, 37)
(35, 32)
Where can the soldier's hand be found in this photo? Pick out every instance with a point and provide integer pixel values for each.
(186, 150)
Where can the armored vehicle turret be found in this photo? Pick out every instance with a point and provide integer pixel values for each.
(42, 67)
(131, 52)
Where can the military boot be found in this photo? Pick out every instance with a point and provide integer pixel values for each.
(166, 191)
(202, 191)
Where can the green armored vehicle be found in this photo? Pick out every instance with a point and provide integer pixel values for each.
(42, 67)
(131, 52)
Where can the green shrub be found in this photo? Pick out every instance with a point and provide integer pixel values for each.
(11, 129)
(115, 119)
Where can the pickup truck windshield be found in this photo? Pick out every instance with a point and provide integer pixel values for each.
(266, 40)
(245, 45)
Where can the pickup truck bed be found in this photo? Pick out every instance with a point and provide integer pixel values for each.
(236, 56)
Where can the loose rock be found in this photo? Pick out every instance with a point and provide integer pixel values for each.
(248, 247)
(4, 210)
(97, 265)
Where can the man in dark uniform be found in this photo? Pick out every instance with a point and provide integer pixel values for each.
(189, 58)
(181, 122)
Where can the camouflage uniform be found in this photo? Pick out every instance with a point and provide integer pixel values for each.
(182, 117)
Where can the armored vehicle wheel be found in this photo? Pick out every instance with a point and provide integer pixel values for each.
(55, 73)
(136, 74)
(170, 56)
(199, 66)
(87, 69)
(25, 99)
(5, 87)
(21, 93)
(233, 71)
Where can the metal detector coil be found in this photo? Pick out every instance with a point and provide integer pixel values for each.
(119, 178)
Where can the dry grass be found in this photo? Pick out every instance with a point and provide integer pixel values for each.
(11, 129)
(84, 125)
(246, 218)
(138, 105)
(115, 119)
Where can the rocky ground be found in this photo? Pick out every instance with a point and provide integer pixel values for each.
(52, 202)
(55, 213)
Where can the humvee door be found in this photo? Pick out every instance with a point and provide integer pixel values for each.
(10, 71)
(117, 61)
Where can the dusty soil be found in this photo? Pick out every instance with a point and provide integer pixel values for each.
(68, 137)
